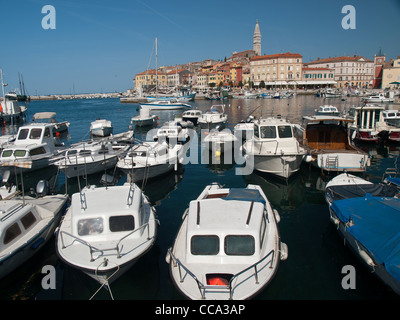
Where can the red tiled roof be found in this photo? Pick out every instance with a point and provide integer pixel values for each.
(151, 71)
(338, 59)
(278, 55)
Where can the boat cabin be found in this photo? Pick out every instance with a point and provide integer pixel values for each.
(326, 133)
(91, 221)
(31, 140)
(226, 226)
(15, 220)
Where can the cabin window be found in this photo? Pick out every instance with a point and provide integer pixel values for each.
(268, 132)
(90, 226)
(121, 223)
(23, 134)
(37, 151)
(12, 232)
(19, 153)
(71, 153)
(47, 132)
(85, 153)
(239, 245)
(6, 153)
(285, 132)
(35, 134)
(204, 245)
(256, 132)
(28, 220)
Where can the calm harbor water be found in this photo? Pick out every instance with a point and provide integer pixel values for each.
(313, 270)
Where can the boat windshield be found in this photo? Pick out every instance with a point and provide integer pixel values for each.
(243, 245)
(204, 245)
(285, 131)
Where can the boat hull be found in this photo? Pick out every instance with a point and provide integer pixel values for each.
(74, 170)
(281, 166)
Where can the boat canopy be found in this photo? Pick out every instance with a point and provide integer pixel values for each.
(375, 225)
(241, 194)
(361, 190)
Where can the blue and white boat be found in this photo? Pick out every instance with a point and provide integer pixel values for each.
(165, 105)
(370, 226)
(179, 98)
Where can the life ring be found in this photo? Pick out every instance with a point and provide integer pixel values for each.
(1, 108)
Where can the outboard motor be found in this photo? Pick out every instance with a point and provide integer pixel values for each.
(42, 188)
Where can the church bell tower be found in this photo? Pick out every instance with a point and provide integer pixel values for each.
(257, 39)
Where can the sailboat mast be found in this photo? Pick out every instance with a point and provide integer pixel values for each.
(156, 73)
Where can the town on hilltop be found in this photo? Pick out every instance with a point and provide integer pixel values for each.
(249, 69)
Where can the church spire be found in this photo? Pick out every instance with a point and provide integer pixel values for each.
(257, 39)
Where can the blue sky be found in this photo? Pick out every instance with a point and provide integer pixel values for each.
(100, 45)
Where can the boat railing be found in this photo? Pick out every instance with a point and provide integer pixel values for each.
(93, 249)
(231, 286)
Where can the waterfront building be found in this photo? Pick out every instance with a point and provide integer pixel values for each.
(176, 77)
(148, 78)
(391, 73)
(257, 39)
(317, 77)
(236, 72)
(276, 69)
(355, 71)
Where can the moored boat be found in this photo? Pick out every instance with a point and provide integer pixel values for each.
(101, 128)
(369, 226)
(27, 223)
(106, 230)
(329, 147)
(228, 245)
(274, 148)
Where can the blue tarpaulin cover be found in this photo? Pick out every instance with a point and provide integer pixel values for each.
(376, 227)
(244, 195)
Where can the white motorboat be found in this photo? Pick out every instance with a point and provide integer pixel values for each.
(50, 117)
(101, 128)
(90, 157)
(10, 109)
(33, 148)
(27, 224)
(192, 116)
(151, 159)
(218, 139)
(228, 245)
(331, 93)
(327, 110)
(211, 118)
(329, 146)
(274, 148)
(172, 132)
(106, 230)
(378, 98)
(144, 118)
(369, 125)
